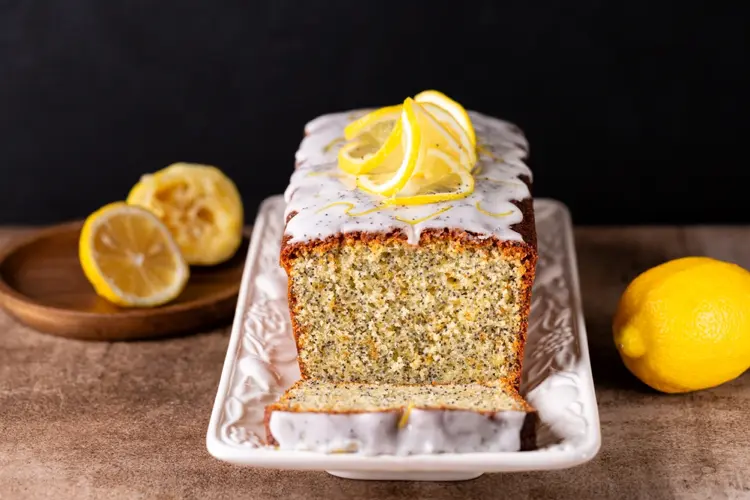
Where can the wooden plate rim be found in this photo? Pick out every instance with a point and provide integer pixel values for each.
(9, 294)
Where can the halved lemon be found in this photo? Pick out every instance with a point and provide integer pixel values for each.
(367, 151)
(201, 207)
(130, 257)
(394, 171)
(452, 107)
(440, 177)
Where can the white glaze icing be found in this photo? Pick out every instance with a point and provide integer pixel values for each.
(378, 433)
(324, 197)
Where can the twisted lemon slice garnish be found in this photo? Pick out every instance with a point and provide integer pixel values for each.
(372, 139)
(394, 172)
(455, 109)
(414, 153)
(467, 152)
(440, 178)
(377, 124)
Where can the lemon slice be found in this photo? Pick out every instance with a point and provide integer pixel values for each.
(200, 206)
(130, 257)
(436, 136)
(468, 151)
(396, 168)
(455, 109)
(440, 178)
(367, 151)
(376, 125)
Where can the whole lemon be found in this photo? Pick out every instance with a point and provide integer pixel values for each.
(685, 325)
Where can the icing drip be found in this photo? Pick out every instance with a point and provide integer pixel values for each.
(327, 201)
(377, 433)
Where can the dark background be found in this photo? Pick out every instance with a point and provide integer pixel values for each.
(636, 111)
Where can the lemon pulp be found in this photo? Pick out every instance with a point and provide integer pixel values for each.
(130, 257)
(201, 207)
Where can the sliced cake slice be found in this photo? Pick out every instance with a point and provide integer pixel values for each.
(375, 419)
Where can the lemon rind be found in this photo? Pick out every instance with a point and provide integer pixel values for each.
(413, 142)
(451, 106)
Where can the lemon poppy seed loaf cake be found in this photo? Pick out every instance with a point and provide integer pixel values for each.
(435, 293)
(374, 419)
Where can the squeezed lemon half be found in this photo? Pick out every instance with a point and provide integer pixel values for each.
(130, 257)
(201, 207)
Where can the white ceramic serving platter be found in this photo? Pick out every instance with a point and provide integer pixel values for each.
(261, 363)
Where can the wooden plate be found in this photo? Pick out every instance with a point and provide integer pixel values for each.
(43, 286)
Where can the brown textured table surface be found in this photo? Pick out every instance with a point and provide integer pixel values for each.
(128, 420)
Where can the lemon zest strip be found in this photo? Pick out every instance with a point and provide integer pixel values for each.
(331, 144)
(481, 149)
(493, 214)
(350, 205)
(405, 416)
(422, 219)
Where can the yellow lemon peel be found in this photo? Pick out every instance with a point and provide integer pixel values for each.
(201, 207)
(398, 168)
(350, 206)
(422, 219)
(452, 107)
(362, 155)
(466, 150)
(493, 214)
(405, 416)
(684, 325)
(391, 151)
(373, 121)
